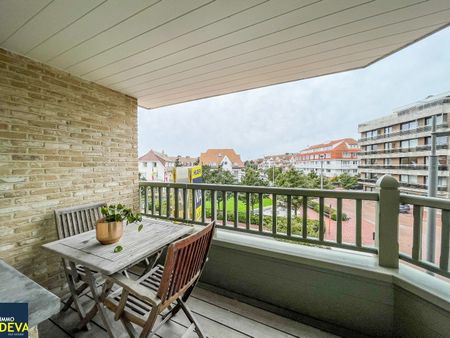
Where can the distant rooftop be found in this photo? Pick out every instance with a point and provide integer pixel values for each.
(215, 157)
(330, 145)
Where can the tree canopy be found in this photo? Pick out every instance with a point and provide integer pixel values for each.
(217, 176)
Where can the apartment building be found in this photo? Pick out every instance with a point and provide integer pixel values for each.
(399, 144)
(337, 157)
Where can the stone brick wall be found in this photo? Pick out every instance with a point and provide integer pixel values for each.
(63, 141)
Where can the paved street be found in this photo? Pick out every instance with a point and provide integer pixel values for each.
(368, 225)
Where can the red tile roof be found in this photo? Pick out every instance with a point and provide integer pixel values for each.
(331, 143)
(154, 156)
(215, 157)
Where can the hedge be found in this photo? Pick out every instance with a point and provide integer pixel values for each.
(297, 222)
(327, 211)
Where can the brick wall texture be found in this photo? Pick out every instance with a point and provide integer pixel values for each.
(63, 142)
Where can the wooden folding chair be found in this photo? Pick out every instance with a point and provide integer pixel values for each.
(70, 222)
(164, 288)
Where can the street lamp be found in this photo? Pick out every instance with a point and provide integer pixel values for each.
(432, 190)
(321, 170)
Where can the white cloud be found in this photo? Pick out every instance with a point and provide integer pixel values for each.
(288, 117)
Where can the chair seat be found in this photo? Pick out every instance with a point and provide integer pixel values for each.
(137, 311)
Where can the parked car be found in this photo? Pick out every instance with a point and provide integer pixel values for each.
(404, 208)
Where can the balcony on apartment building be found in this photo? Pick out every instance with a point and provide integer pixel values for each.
(343, 262)
(398, 135)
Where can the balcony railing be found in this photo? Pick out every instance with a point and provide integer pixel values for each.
(402, 150)
(419, 204)
(199, 203)
(403, 132)
(403, 184)
(174, 201)
(442, 167)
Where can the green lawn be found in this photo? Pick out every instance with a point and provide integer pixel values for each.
(241, 205)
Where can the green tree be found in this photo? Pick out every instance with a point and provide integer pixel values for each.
(217, 176)
(252, 177)
(292, 178)
(177, 162)
(272, 174)
(346, 181)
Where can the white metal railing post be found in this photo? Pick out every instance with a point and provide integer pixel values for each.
(387, 221)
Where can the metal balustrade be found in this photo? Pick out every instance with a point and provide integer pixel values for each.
(403, 132)
(174, 201)
(419, 204)
(401, 166)
(401, 150)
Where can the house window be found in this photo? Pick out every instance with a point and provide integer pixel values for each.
(387, 130)
(409, 143)
(388, 145)
(372, 133)
(387, 161)
(439, 119)
(441, 140)
(442, 181)
(408, 125)
(408, 179)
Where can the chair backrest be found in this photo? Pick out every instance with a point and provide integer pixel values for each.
(75, 220)
(184, 263)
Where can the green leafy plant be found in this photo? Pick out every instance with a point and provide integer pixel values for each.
(120, 213)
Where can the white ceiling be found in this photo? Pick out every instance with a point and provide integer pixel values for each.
(170, 51)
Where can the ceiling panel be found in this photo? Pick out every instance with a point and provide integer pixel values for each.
(333, 48)
(98, 20)
(14, 14)
(53, 18)
(165, 37)
(168, 51)
(283, 19)
(337, 37)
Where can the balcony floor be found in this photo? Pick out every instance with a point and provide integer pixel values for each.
(219, 315)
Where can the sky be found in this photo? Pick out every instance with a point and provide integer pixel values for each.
(291, 116)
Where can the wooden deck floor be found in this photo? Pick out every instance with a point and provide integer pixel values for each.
(219, 315)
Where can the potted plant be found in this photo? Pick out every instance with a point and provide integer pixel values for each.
(109, 229)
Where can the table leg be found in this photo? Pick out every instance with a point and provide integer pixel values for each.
(71, 282)
(98, 303)
(151, 261)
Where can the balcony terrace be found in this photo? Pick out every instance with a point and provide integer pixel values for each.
(72, 77)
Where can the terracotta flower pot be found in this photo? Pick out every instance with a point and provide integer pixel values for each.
(108, 232)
